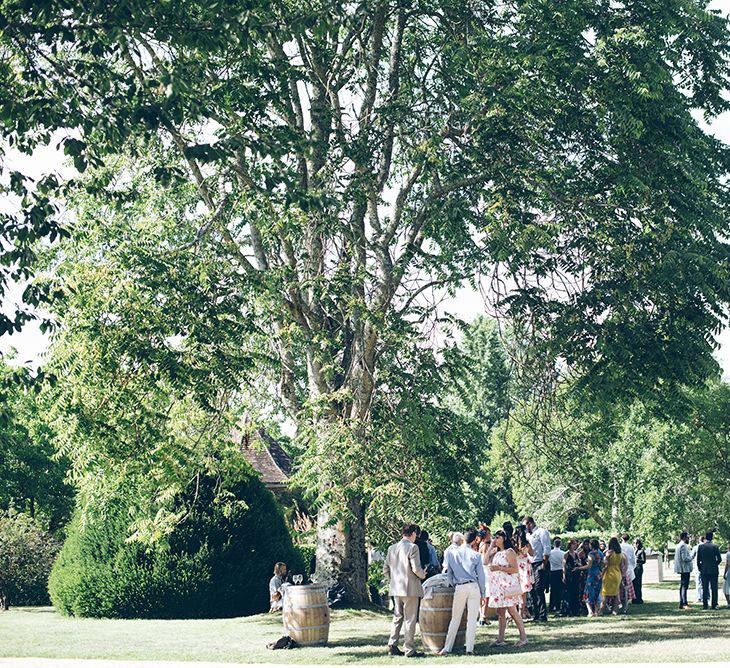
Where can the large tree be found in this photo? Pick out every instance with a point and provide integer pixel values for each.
(349, 156)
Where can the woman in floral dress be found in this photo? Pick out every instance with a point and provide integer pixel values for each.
(504, 587)
(593, 580)
(627, 584)
(524, 564)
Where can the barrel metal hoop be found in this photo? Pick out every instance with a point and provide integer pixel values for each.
(435, 609)
(309, 605)
(289, 627)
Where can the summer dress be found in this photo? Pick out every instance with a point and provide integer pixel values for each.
(504, 587)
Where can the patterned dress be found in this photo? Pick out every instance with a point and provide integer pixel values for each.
(504, 587)
(627, 583)
(525, 572)
(582, 578)
(593, 580)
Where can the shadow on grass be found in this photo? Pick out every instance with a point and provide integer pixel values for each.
(651, 622)
(36, 610)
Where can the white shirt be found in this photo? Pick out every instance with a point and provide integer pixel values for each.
(556, 559)
(450, 548)
(540, 541)
(374, 555)
(630, 552)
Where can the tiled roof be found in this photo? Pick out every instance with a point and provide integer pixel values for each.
(266, 456)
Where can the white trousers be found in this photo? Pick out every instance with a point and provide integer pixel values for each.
(466, 596)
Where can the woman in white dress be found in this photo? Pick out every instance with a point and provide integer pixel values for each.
(504, 587)
(726, 576)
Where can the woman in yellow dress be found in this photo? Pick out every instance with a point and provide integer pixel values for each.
(611, 576)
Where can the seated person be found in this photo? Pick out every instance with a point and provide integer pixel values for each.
(276, 592)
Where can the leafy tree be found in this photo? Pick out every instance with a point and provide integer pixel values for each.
(32, 479)
(348, 157)
(480, 392)
(628, 468)
(27, 553)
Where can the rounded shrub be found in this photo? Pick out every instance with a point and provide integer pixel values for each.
(26, 555)
(216, 563)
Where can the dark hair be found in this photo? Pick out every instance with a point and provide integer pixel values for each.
(527, 519)
(639, 543)
(625, 536)
(424, 535)
(520, 536)
(508, 529)
(595, 544)
(556, 540)
(507, 540)
(470, 536)
(614, 545)
(409, 529)
(684, 536)
(709, 535)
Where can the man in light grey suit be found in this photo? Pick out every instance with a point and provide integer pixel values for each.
(683, 567)
(403, 569)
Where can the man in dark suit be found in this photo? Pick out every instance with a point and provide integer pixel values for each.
(708, 562)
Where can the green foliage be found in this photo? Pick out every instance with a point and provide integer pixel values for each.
(377, 579)
(27, 553)
(480, 391)
(307, 554)
(621, 468)
(216, 562)
(329, 166)
(32, 479)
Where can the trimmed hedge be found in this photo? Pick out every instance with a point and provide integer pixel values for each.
(216, 563)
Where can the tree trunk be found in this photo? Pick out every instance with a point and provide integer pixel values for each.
(341, 554)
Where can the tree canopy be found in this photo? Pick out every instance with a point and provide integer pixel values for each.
(342, 159)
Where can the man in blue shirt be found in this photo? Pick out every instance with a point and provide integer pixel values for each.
(466, 575)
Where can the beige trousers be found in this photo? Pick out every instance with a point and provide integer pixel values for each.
(466, 596)
(405, 615)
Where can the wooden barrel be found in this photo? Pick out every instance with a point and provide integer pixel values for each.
(434, 617)
(306, 614)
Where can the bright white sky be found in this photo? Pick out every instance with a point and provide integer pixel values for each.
(31, 343)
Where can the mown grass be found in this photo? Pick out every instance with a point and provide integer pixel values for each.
(654, 632)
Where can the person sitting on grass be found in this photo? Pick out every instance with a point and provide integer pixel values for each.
(276, 590)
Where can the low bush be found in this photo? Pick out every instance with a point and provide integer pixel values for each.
(26, 556)
(308, 553)
(216, 563)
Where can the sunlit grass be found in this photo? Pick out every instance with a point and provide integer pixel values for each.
(654, 632)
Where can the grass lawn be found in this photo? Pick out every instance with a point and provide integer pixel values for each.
(654, 632)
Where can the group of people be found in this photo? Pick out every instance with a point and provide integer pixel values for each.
(512, 569)
(708, 559)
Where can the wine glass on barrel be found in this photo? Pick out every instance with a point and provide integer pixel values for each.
(297, 579)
